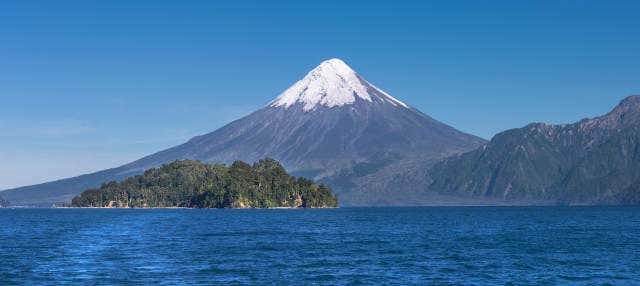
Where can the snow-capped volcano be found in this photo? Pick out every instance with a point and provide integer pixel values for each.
(332, 126)
(332, 83)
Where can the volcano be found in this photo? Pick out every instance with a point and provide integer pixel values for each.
(332, 125)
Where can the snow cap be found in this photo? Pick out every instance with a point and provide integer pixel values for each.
(332, 83)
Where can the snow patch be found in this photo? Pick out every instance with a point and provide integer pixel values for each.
(389, 98)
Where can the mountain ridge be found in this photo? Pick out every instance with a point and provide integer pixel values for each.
(592, 161)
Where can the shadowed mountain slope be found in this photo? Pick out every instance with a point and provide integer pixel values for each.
(594, 161)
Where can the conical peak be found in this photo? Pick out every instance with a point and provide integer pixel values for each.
(335, 61)
(332, 83)
(333, 66)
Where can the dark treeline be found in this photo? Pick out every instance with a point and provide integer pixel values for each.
(192, 184)
(3, 202)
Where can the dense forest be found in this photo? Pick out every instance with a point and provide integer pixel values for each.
(591, 162)
(3, 202)
(192, 184)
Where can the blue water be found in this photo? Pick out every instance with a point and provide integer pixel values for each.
(347, 246)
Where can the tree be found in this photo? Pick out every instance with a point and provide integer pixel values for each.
(193, 184)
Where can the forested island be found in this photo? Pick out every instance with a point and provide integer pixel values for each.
(192, 184)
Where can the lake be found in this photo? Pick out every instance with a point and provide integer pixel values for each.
(346, 246)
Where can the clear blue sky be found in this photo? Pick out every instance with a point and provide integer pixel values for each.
(86, 85)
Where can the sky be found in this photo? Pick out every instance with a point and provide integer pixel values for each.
(89, 85)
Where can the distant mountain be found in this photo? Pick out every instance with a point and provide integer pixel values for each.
(192, 184)
(333, 126)
(594, 161)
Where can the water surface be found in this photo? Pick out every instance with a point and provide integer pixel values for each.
(346, 246)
